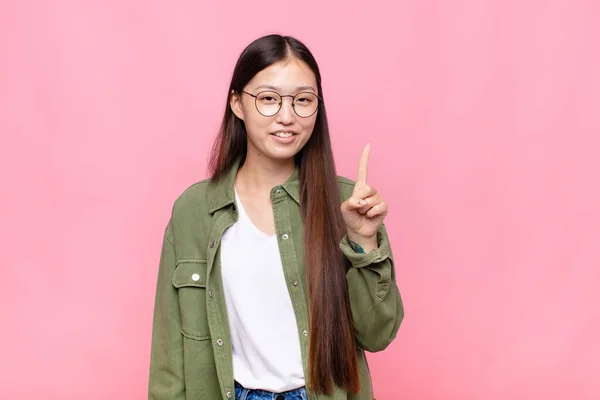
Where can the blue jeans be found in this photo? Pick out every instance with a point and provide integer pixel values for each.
(241, 393)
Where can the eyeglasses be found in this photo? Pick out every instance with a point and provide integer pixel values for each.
(268, 103)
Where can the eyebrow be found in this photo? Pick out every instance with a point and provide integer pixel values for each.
(275, 88)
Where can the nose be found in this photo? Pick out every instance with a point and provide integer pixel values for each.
(286, 113)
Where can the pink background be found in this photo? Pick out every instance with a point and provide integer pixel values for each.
(484, 119)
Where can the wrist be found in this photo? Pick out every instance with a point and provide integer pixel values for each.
(362, 244)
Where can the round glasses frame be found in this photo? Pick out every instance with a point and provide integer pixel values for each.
(281, 102)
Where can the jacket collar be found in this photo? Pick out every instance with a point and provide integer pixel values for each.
(222, 194)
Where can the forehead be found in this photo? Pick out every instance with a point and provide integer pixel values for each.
(287, 76)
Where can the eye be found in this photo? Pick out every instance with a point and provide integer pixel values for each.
(268, 98)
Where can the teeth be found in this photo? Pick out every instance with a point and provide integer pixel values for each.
(283, 134)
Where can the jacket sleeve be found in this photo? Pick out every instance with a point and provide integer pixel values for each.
(375, 300)
(166, 360)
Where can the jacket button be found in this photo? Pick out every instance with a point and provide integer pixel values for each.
(219, 342)
(305, 332)
(285, 236)
(212, 244)
(195, 277)
(229, 395)
(210, 293)
(295, 283)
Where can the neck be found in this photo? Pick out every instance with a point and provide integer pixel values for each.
(260, 174)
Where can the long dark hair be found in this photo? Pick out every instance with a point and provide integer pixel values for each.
(332, 354)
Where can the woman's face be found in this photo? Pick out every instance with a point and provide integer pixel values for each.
(283, 135)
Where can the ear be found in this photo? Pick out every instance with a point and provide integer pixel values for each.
(235, 102)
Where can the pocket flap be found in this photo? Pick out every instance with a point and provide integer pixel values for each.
(190, 273)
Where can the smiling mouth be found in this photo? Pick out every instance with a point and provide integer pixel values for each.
(283, 134)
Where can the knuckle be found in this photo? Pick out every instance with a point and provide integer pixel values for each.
(371, 190)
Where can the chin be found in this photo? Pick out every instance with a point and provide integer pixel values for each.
(281, 155)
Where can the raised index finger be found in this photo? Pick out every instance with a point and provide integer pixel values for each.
(361, 177)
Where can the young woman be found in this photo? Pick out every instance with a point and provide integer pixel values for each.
(276, 275)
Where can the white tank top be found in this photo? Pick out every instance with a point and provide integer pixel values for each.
(264, 332)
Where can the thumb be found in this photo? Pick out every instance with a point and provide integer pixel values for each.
(352, 203)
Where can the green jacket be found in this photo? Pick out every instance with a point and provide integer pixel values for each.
(191, 355)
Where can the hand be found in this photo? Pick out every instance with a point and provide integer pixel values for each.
(365, 210)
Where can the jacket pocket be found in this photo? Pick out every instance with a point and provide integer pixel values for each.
(189, 278)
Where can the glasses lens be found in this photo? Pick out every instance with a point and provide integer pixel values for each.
(268, 103)
(306, 104)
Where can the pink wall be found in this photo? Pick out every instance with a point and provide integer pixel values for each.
(485, 124)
